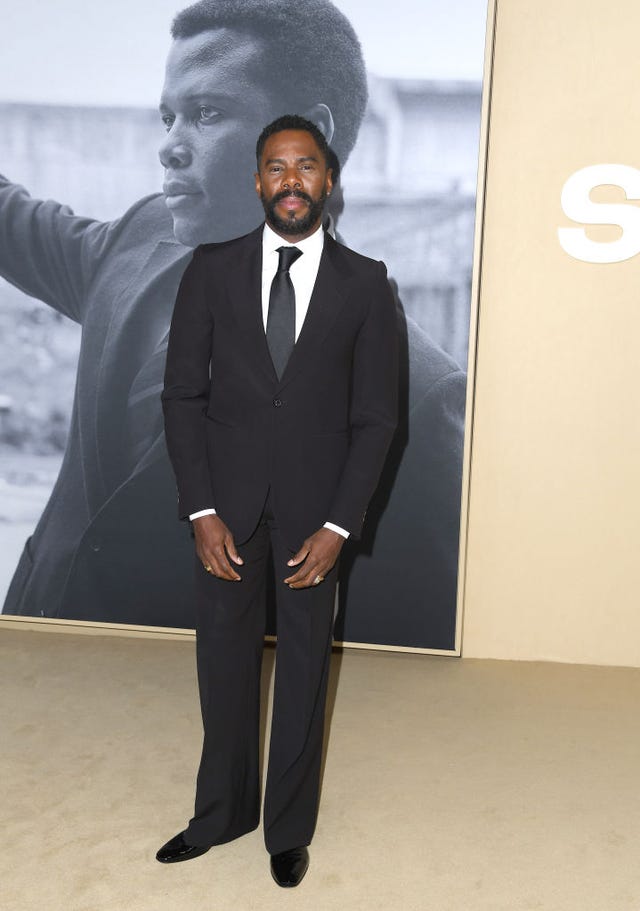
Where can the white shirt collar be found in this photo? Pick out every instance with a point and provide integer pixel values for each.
(312, 244)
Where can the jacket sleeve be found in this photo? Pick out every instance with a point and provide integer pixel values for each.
(47, 251)
(373, 408)
(186, 390)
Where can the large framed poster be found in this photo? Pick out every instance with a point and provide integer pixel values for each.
(91, 257)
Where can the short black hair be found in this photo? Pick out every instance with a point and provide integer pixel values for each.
(293, 122)
(331, 67)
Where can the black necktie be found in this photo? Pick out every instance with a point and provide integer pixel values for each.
(281, 319)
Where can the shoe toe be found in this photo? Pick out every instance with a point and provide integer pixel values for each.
(177, 849)
(288, 867)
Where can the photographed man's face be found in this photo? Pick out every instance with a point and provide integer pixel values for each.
(214, 104)
(293, 181)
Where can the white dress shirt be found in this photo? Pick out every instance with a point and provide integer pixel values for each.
(303, 274)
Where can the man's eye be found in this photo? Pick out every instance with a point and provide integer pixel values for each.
(208, 114)
(168, 119)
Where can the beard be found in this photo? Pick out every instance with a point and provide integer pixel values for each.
(293, 224)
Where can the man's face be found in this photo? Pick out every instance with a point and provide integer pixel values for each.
(214, 105)
(293, 182)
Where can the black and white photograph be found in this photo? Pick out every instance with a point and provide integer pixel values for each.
(93, 245)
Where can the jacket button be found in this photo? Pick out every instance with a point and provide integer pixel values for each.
(277, 402)
(95, 546)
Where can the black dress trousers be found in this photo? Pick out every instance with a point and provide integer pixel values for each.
(230, 633)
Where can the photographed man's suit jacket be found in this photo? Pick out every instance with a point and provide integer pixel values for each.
(315, 439)
(107, 546)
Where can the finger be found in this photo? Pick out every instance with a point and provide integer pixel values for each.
(228, 574)
(318, 563)
(221, 566)
(308, 582)
(231, 550)
(209, 565)
(302, 554)
(208, 561)
(306, 576)
(302, 573)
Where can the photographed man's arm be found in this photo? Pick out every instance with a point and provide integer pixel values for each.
(373, 419)
(47, 251)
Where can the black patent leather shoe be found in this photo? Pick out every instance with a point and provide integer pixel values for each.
(177, 849)
(288, 867)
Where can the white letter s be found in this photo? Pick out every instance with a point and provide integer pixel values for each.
(578, 207)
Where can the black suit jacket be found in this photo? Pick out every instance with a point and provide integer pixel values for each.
(317, 437)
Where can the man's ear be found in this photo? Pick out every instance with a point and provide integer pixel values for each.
(321, 115)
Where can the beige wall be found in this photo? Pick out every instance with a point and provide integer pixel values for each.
(553, 544)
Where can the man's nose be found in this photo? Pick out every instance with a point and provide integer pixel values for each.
(291, 180)
(174, 151)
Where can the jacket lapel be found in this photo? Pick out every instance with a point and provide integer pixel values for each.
(244, 287)
(326, 302)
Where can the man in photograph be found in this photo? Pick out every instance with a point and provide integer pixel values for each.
(106, 548)
(280, 402)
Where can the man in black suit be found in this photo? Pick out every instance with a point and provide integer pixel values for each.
(280, 403)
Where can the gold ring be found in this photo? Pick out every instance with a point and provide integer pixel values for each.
(318, 580)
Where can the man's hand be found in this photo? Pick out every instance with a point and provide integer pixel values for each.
(319, 553)
(215, 545)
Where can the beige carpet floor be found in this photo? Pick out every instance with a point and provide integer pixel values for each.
(449, 785)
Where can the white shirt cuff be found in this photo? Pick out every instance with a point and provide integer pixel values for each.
(341, 531)
(212, 512)
(203, 512)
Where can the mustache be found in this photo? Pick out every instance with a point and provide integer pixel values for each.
(283, 194)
